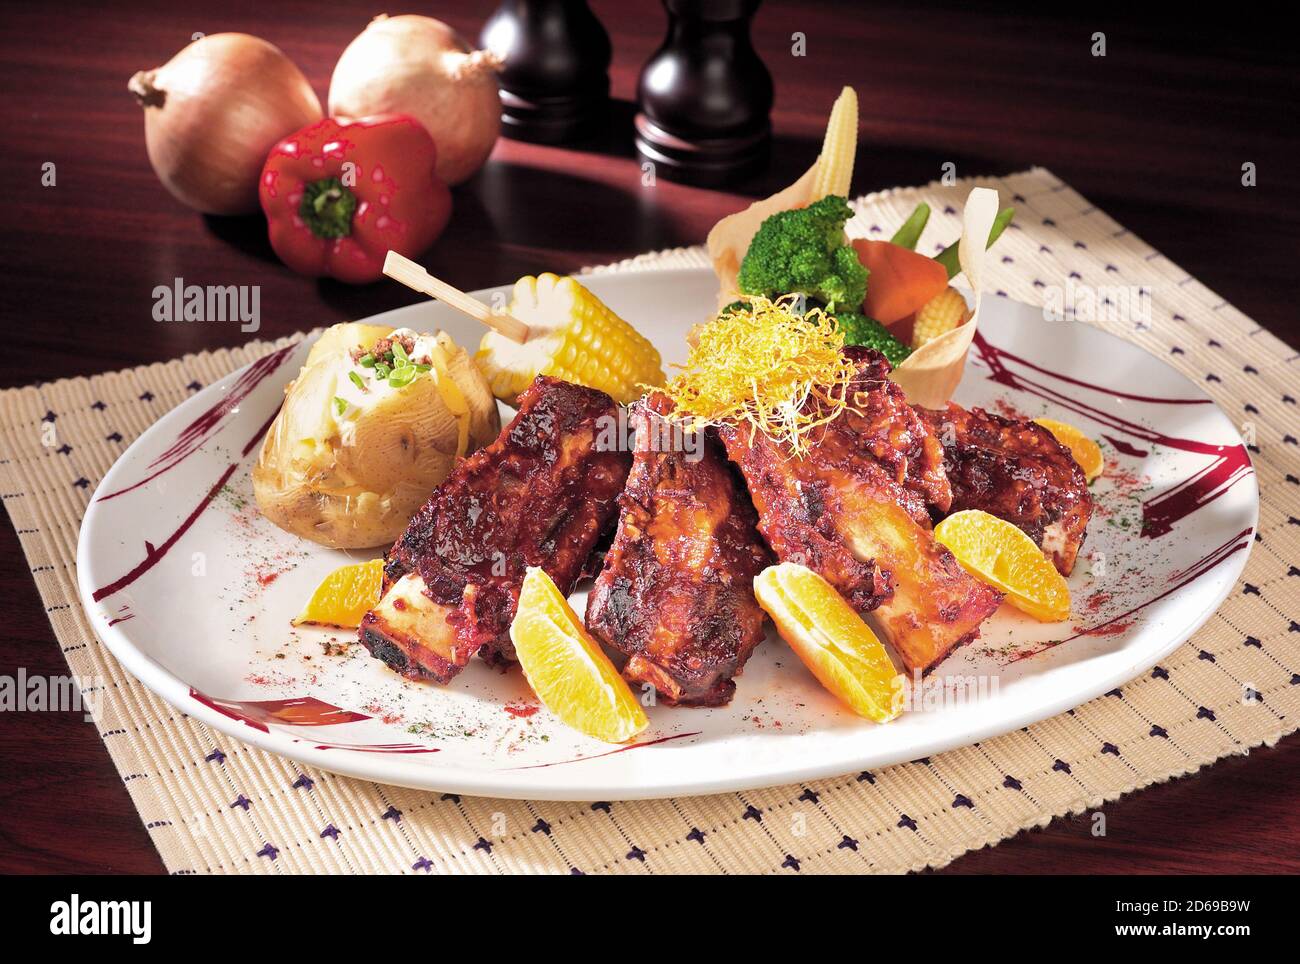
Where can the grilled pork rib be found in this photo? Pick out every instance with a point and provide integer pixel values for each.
(541, 495)
(894, 434)
(1018, 471)
(676, 594)
(855, 510)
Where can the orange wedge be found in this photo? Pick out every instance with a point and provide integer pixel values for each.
(567, 669)
(344, 596)
(1085, 451)
(831, 639)
(997, 553)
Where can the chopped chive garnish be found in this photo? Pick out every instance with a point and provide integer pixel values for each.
(382, 371)
(356, 380)
(423, 368)
(340, 405)
(367, 360)
(401, 377)
(399, 353)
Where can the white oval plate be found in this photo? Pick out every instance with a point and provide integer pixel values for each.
(193, 590)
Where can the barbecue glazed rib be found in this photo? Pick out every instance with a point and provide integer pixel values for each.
(676, 594)
(541, 495)
(854, 510)
(896, 437)
(1018, 471)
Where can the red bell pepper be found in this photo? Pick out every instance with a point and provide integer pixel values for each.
(339, 194)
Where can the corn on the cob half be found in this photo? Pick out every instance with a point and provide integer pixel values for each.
(940, 315)
(574, 337)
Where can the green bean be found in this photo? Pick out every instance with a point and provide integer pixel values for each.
(910, 232)
(948, 256)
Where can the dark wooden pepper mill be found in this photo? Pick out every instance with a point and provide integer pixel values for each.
(555, 79)
(705, 95)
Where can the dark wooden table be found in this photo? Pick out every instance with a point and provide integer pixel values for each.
(1155, 133)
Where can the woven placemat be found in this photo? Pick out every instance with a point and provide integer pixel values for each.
(215, 805)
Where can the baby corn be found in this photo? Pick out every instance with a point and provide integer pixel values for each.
(835, 165)
(940, 315)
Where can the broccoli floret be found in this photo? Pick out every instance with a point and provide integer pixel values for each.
(803, 252)
(860, 330)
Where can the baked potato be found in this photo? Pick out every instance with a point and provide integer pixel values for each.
(354, 452)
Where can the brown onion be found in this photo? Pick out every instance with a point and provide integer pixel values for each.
(420, 66)
(214, 111)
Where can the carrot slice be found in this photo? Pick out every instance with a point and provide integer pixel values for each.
(901, 280)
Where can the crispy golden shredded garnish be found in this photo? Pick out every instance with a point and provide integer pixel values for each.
(763, 364)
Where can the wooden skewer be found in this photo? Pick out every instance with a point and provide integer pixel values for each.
(415, 277)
